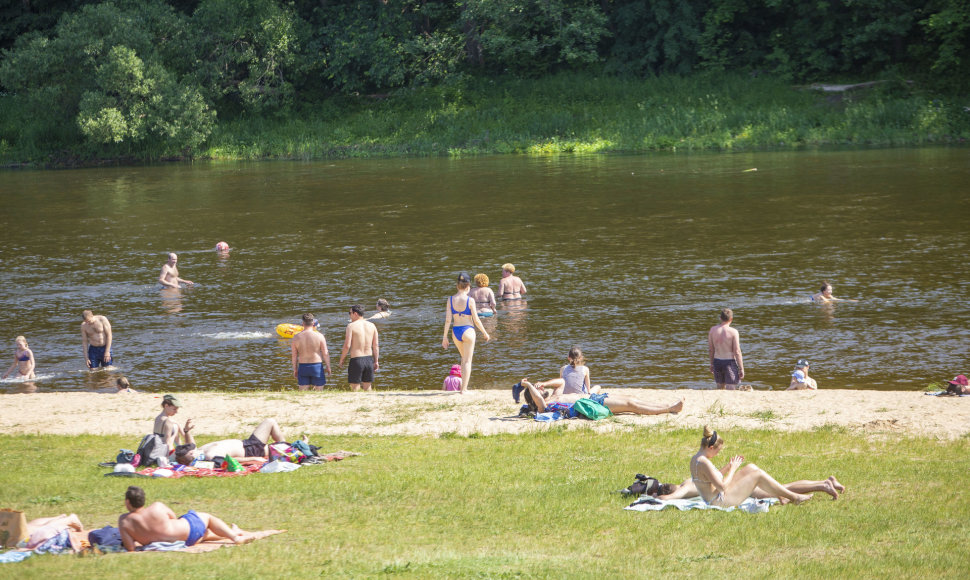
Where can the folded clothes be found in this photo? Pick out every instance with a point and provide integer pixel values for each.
(651, 504)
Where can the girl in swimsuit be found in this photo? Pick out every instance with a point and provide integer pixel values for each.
(463, 316)
(23, 360)
(735, 484)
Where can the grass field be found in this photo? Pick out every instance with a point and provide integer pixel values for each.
(537, 505)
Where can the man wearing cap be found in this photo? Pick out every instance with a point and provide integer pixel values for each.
(165, 425)
(724, 348)
(96, 339)
(361, 343)
(308, 353)
(800, 380)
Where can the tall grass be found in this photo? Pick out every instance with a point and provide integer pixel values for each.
(531, 505)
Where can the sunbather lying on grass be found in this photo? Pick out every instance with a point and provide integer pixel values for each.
(542, 400)
(255, 447)
(157, 523)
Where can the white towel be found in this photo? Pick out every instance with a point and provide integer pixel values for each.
(649, 504)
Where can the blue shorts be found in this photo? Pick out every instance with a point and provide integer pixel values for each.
(311, 374)
(196, 527)
(96, 356)
(459, 331)
(599, 398)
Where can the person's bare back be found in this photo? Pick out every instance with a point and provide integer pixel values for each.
(155, 523)
(724, 340)
(310, 346)
(724, 352)
(361, 335)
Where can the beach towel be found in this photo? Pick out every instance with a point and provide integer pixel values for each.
(248, 467)
(650, 504)
(944, 394)
(206, 546)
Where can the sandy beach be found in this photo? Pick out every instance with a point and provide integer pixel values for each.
(483, 412)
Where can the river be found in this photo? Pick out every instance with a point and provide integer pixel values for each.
(630, 257)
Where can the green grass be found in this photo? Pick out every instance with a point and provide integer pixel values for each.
(539, 505)
(572, 113)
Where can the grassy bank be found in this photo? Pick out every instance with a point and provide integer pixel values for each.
(581, 114)
(538, 505)
(561, 114)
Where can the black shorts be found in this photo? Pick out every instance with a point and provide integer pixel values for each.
(254, 447)
(360, 370)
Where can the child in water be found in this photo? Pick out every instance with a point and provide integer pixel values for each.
(453, 380)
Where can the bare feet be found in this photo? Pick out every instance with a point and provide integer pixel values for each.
(835, 483)
(801, 498)
(830, 489)
(784, 501)
(677, 407)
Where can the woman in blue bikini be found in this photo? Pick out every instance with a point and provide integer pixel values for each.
(462, 316)
(23, 360)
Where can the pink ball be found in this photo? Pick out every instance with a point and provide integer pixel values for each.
(222, 247)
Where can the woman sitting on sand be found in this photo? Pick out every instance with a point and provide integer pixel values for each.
(23, 360)
(540, 401)
(731, 486)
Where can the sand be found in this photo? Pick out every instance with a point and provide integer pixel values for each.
(483, 412)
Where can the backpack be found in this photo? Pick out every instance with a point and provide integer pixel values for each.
(151, 449)
(591, 409)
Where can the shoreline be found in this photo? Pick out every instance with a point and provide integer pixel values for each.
(219, 415)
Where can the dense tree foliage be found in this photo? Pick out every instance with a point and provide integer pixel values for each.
(152, 73)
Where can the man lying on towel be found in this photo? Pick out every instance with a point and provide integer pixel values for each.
(157, 523)
(255, 447)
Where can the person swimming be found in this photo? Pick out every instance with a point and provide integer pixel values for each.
(825, 294)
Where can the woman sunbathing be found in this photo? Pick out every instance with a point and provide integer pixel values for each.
(733, 484)
(540, 401)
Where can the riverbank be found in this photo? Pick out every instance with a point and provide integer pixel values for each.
(437, 413)
(566, 113)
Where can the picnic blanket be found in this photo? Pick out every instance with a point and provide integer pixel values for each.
(944, 394)
(652, 504)
(201, 547)
(252, 466)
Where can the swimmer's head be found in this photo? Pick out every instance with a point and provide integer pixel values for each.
(87, 315)
(173, 257)
(222, 247)
(508, 268)
(826, 287)
(727, 315)
(481, 280)
(575, 356)
(383, 305)
(123, 383)
(711, 439)
(308, 320)
(135, 496)
(464, 281)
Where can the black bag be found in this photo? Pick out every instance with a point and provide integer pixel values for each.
(643, 485)
(151, 449)
(125, 456)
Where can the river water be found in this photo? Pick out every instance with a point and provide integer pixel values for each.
(630, 257)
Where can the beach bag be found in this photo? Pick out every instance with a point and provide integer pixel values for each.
(285, 452)
(151, 449)
(106, 536)
(591, 409)
(125, 456)
(13, 528)
(230, 464)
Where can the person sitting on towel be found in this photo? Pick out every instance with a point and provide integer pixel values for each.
(157, 523)
(255, 447)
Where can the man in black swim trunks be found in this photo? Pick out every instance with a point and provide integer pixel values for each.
(724, 348)
(362, 344)
(254, 447)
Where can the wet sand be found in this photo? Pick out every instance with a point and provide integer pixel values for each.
(484, 412)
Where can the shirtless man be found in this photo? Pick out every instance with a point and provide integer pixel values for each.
(169, 277)
(362, 344)
(157, 523)
(724, 347)
(255, 447)
(510, 287)
(308, 352)
(96, 338)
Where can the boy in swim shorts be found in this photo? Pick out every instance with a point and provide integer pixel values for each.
(157, 523)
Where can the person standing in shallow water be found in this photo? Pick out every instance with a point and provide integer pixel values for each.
(169, 276)
(461, 316)
(96, 339)
(724, 348)
(510, 287)
(23, 360)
